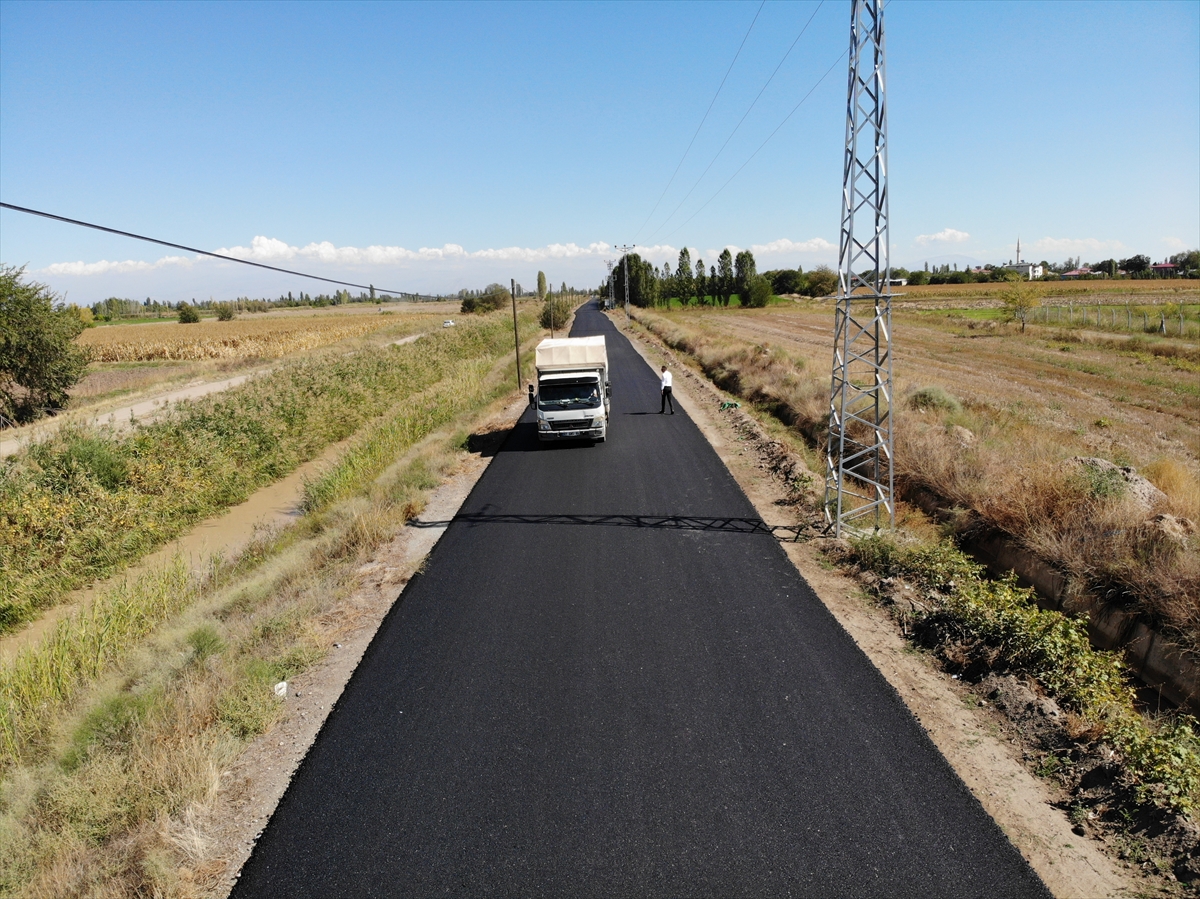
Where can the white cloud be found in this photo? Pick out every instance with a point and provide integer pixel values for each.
(270, 250)
(946, 235)
(1175, 244)
(1073, 246)
(104, 266)
(783, 245)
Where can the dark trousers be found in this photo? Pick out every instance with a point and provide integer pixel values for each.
(666, 401)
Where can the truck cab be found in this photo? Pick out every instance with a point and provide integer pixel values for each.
(572, 395)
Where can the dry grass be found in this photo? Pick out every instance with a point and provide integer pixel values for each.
(1006, 464)
(263, 338)
(1146, 291)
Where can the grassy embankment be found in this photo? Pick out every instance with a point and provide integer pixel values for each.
(1002, 470)
(117, 724)
(83, 504)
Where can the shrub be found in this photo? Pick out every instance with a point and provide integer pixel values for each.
(188, 314)
(934, 398)
(822, 281)
(224, 311)
(39, 362)
(996, 625)
(758, 294)
(559, 308)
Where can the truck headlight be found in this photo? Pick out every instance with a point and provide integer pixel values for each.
(543, 425)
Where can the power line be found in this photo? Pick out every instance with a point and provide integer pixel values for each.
(703, 120)
(760, 146)
(178, 246)
(743, 118)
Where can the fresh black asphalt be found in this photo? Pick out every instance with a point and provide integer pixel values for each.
(605, 684)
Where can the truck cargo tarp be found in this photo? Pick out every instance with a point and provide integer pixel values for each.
(565, 353)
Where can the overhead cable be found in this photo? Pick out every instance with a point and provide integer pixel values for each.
(742, 119)
(763, 144)
(702, 121)
(178, 246)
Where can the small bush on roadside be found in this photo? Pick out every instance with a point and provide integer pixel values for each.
(225, 312)
(938, 398)
(188, 314)
(997, 626)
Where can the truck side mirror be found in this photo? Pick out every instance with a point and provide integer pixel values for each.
(608, 389)
(532, 400)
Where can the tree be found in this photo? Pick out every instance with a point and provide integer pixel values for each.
(822, 281)
(224, 311)
(39, 362)
(494, 296)
(1019, 302)
(1136, 265)
(701, 281)
(758, 292)
(1187, 265)
(725, 276)
(745, 271)
(188, 314)
(683, 277)
(541, 285)
(786, 280)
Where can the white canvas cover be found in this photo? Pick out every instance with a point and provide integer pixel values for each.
(564, 353)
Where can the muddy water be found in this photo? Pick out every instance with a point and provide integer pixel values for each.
(227, 534)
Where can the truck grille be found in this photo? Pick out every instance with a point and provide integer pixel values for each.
(583, 424)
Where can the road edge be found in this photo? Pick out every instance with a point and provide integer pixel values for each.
(968, 737)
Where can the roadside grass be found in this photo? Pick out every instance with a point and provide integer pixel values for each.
(976, 624)
(112, 789)
(85, 503)
(1001, 468)
(979, 625)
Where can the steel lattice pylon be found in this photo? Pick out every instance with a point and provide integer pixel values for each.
(858, 457)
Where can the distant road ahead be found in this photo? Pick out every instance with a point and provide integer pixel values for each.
(567, 705)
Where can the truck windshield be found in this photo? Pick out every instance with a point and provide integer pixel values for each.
(578, 395)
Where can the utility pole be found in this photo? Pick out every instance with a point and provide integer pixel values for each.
(611, 287)
(550, 302)
(516, 336)
(858, 456)
(625, 260)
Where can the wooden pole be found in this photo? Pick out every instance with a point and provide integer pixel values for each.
(516, 336)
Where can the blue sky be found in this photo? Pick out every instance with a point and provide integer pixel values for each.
(467, 143)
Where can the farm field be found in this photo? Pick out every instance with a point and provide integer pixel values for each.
(989, 419)
(139, 361)
(1145, 397)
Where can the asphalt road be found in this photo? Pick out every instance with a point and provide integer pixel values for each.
(605, 684)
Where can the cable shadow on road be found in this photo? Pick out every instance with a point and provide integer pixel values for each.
(782, 532)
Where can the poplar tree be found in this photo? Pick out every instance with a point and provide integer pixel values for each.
(725, 275)
(683, 276)
(541, 285)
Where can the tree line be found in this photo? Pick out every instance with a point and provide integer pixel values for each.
(732, 278)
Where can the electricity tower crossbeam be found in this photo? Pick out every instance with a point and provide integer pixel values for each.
(858, 456)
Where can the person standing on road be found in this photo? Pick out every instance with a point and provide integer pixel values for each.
(665, 377)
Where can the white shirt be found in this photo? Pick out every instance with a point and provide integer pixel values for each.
(665, 377)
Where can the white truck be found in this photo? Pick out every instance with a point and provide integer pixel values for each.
(572, 395)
